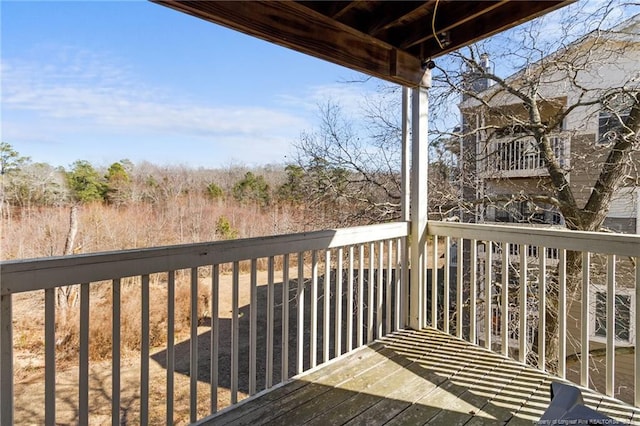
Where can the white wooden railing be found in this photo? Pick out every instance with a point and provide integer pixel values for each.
(519, 156)
(353, 280)
(350, 287)
(481, 309)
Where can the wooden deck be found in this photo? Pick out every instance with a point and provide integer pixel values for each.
(412, 378)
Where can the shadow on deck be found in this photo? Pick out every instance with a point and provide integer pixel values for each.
(412, 377)
(182, 349)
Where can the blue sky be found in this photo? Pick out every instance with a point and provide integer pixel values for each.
(103, 81)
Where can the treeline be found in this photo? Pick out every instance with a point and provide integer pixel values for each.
(127, 205)
(28, 184)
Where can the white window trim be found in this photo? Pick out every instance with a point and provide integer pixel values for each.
(598, 288)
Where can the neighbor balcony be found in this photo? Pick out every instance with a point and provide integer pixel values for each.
(314, 328)
(518, 156)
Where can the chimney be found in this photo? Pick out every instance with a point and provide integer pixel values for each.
(487, 66)
(473, 81)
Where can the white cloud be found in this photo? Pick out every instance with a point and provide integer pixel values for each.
(80, 92)
(349, 95)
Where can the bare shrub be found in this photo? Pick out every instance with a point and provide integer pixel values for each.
(101, 320)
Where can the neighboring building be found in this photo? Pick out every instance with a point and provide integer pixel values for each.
(502, 166)
(504, 176)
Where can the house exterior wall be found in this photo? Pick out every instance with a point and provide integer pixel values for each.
(607, 63)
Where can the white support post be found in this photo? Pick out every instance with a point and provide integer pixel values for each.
(406, 156)
(419, 164)
(405, 203)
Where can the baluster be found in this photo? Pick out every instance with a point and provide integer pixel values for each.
(300, 315)
(171, 315)
(542, 307)
(115, 354)
(83, 370)
(215, 336)
(270, 322)
(50, 356)
(338, 312)
(144, 350)
(505, 300)
(350, 302)
(253, 326)
(284, 369)
(562, 313)
(611, 323)
(523, 329)
(193, 348)
(585, 320)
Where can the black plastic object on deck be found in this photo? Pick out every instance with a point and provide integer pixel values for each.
(567, 407)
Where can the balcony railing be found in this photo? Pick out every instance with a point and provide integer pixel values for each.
(519, 156)
(347, 285)
(340, 289)
(502, 301)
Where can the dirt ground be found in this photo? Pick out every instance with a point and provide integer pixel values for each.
(29, 386)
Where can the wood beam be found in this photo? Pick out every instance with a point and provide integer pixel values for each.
(447, 21)
(391, 14)
(510, 14)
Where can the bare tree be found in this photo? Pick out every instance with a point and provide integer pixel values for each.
(571, 111)
(591, 78)
(352, 165)
(562, 134)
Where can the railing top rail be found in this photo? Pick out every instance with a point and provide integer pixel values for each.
(37, 274)
(594, 242)
(563, 135)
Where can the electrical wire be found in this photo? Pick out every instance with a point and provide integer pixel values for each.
(433, 24)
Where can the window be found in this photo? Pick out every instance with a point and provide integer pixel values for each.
(624, 312)
(560, 149)
(614, 111)
(527, 212)
(609, 126)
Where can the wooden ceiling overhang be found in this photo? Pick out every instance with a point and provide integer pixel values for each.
(390, 40)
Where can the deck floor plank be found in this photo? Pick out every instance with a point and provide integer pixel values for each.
(408, 386)
(445, 364)
(474, 403)
(413, 377)
(281, 396)
(360, 377)
(395, 386)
